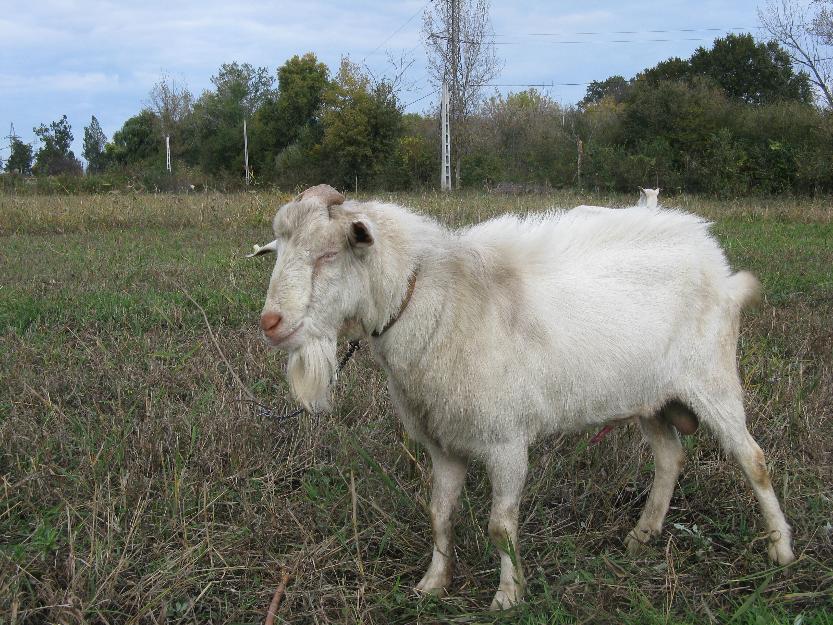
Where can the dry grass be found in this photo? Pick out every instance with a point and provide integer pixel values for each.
(141, 485)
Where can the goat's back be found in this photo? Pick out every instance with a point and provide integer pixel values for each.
(602, 265)
(597, 313)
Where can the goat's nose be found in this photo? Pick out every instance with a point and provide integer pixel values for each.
(269, 321)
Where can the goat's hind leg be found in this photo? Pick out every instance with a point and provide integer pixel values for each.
(723, 413)
(448, 477)
(668, 462)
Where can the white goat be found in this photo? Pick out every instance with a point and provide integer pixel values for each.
(648, 197)
(497, 334)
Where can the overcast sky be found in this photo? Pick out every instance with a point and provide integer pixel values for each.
(101, 58)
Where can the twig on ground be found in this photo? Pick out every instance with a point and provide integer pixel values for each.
(355, 524)
(276, 598)
(46, 400)
(231, 370)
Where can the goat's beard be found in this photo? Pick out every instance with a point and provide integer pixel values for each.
(309, 370)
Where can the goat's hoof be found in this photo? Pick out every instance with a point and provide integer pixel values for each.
(636, 541)
(780, 551)
(506, 599)
(433, 584)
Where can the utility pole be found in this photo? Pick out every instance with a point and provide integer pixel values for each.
(11, 137)
(246, 153)
(445, 132)
(454, 42)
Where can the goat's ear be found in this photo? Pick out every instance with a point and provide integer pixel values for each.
(360, 234)
(272, 247)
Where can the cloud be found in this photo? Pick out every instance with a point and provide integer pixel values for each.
(101, 57)
(83, 82)
(20, 34)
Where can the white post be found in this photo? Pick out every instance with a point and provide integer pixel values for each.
(168, 153)
(246, 152)
(445, 131)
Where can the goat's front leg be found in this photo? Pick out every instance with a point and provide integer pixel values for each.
(448, 476)
(507, 467)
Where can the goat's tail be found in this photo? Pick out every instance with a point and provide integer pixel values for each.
(744, 289)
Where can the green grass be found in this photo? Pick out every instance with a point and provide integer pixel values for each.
(140, 485)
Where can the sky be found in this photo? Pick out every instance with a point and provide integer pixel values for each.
(94, 57)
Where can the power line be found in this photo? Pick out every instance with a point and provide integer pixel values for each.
(652, 31)
(564, 42)
(394, 33)
(579, 41)
(592, 32)
(539, 84)
(636, 32)
(593, 41)
(428, 95)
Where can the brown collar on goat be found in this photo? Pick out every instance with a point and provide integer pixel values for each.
(402, 307)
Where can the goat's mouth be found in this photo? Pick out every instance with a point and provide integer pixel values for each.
(287, 340)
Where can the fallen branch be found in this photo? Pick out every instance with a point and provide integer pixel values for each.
(231, 370)
(276, 598)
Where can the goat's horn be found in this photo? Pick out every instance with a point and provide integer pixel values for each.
(272, 246)
(324, 192)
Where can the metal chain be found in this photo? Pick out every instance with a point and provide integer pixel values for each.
(352, 348)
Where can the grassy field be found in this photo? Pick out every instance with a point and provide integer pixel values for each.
(140, 484)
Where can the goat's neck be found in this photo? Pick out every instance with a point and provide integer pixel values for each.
(408, 244)
(389, 286)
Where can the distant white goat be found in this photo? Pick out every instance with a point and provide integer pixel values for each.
(648, 197)
(497, 334)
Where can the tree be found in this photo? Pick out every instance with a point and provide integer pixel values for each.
(684, 113)
(239, 91)
(244, 87)
(755, 72)
(293, 116)
(20, 158)
(466, 68)
(805, 29)
(674, 68)
(746, 70)
(171, 103)
(418, 150)
(54, 156)
(136, 141)
(362, 125)
(521, 139)
(615, 87)
(94, 143)
(302, 82)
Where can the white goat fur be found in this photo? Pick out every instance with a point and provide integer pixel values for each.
(520, 327)
(648, 197)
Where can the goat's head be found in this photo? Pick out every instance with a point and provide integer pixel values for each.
(317, 285)
(648, 197)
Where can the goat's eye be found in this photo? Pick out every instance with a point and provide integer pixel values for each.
(324, 258)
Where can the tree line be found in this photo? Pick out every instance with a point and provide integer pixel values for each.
(731, 119)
